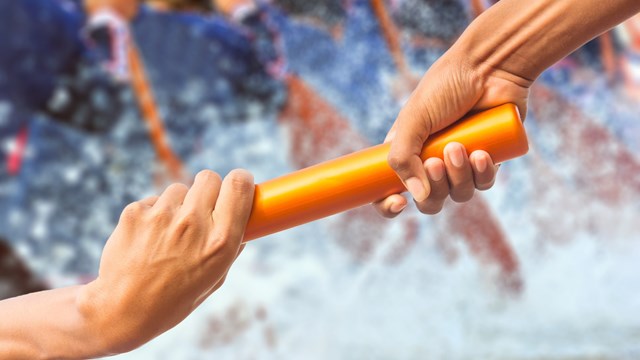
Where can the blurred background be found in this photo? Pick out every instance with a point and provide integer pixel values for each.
(104, 102)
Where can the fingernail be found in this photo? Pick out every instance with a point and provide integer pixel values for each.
(481, 163)
(397, 207)
(436, 173)
(417, 190)
(456, 155)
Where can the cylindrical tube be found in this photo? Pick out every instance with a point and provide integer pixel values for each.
(363, 177)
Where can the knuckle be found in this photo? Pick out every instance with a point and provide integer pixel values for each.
(222, 244)
(188, 220)
(177, 187)
(432, 211)
(208, 176)
(159, 214)
(228, 236)
(224, 238)
(439, 193)
(132, 211)
(484, 187)
(399, 162)
(431, 208)
(462, 195)
(241, 181)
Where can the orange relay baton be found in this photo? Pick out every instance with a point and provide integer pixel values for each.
(363, 177)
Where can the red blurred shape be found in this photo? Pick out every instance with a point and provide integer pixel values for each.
(480, 230)
(595, 160)
(16, 155)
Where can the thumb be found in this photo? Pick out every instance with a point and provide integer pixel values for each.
(234, 206)
(444, 95)
(411, 130)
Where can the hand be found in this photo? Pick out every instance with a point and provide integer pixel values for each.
(449, 90)
(166, 256)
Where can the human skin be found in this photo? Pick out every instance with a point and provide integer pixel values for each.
(165, 257)
(495, 61)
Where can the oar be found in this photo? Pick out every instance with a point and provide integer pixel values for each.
(151, 115)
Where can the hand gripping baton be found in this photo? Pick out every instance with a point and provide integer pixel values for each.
(363, 177)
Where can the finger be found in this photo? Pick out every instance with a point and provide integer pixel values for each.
(203, 194)
(412, 131)
(484, 171)
(459, 172)
(172, 197)
(391, 206)
(391, 134)
(439, 183)
(234, 206)
(149, 201)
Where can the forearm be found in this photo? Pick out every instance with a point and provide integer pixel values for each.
(49, 325)
(524, 38)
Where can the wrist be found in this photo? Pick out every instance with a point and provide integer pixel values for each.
(487, 55)
(103, 313)
(523, 38)
(473, 70)
(491, 86)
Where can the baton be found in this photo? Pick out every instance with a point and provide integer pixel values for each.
(365, 176)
